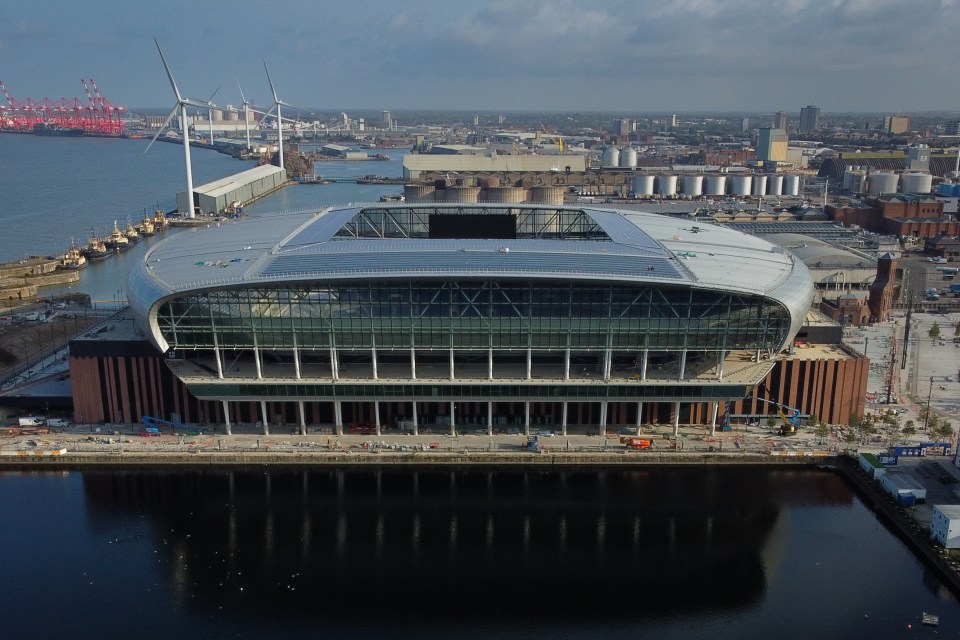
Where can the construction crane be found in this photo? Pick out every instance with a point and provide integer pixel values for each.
(789, 424)
(553, 136)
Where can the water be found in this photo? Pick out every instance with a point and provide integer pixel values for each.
(55, 189)
(293, 553)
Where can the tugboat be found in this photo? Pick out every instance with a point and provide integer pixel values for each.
(131, 233)
(160, 222)
(116, 240)
(146, 227)
(95, 249)
(73, 259)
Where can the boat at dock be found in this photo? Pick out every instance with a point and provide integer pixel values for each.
(133, 236)
(116, 240)
(146, 227)
(73, 259)
(160, 222)
(95, 249)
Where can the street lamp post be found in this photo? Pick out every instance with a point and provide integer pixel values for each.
(926, 415)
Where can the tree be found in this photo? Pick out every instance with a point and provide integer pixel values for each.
(822, 429)
(909, 429)
(934, 331)
(943, 430)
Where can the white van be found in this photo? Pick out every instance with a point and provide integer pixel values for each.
(58, 422)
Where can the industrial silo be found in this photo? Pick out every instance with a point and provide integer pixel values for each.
(740, 185)
(667, 185)
(460, 193)
(510, 195)
(611, 157)
(774, 184)
(628, 158)
(759, 186)
(791, 185)
(916, 183)
(419, 192)
(545, 194)
(642, 186)
(490, 181)
(854, 180)
(716, 185)
(882, 182)
(692, 185)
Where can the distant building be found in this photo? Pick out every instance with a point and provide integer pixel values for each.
(809, 118)
(744, 125)
(918, 158)
(387, 120)
(621, 126)
(896, 124)
(772, 145)
(952, 128)
(780, 120)
(881, 291)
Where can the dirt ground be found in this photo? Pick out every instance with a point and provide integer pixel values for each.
(24, 343)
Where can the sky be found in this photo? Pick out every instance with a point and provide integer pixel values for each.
(630, 56)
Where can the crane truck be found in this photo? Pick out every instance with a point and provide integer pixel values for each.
(789, 424)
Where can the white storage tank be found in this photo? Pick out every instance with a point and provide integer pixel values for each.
(791, 185)
(611, 157)
(916, 183)
(418, 192)
(740, 185)
(667, 185)
(882, 182)
(546, 194)
(854, 180)
(628, 157)
(716, 185)
(759, 185)
(511, 195)
(774, 184)
(461, 193)
(692, 185)
(643, 186)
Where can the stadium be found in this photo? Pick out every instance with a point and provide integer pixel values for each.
(450, 318)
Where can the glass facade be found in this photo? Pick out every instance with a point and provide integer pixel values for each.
(473, 315)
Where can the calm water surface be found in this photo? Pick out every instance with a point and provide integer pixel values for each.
(665, 553)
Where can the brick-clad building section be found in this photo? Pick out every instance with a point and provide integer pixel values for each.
(830, 383)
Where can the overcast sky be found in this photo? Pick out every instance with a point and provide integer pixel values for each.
(495, 55)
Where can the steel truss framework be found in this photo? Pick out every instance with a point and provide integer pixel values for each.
(468, 315)
(414, 222)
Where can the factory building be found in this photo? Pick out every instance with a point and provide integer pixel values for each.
(417, 318)
(772, 145)
(246, 186)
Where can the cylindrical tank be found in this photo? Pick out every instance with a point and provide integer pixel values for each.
(545, 194)
(491, 181)
(791, 185)
(418, 192)
(628, 157)
(759, 186)
(611, 157)
(945, 188)
(642, 186)
(740, 185)
(774, 184)
(459, 193)
(510, 195)
(916, 183)
(667, 185)
(882, 182)
(854, 180)
(692, 185)
(716, 185)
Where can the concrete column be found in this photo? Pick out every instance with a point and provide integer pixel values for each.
(413, 363)
(529, 363)
(607, 363)
(603, 418)
(723, 355)
(216, 356)
(713, 419)
(566, 364)
(643, 364)
(683, 363)
(526, 417)
(676, 419)
(373, 355)
(256, 357)
(489, 418)
(334, 364)
(453, 419)
(266, 420)
(416, 426)
(296, 359)
(338, 417)
(452, 371)
(563, 419)
(490, 364)
(376, 416)
(301, 413)
(639, 416)
(226, 418)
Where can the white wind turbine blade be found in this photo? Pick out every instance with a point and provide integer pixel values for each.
(166, 123)
(173, 83)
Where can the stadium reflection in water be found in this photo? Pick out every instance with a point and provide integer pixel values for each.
(465, 548)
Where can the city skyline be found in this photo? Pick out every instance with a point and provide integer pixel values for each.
(689, 56)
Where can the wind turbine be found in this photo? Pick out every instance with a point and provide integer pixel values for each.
(246, 114)
(210, 107)
(181, 105)
(276, 103)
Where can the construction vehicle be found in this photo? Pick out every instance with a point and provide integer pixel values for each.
(639, 443)
(789, 425)
(552, 136)
(155, 426)
(533, 444)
